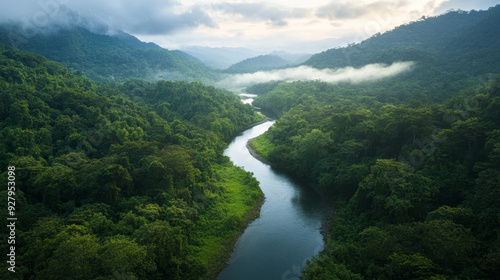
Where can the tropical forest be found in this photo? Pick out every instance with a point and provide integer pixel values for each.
(116, 162)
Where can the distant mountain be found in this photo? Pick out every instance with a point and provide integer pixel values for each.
(451, 52)
(134, 42)
(447, 40)
(222, 57)
(294, 58)
(259, 63)
(117, 57)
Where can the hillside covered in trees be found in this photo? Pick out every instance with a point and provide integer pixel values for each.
(449, 39)
(118, 182)
(101, 57)
(126, 179)
(450, 51)
(259, 63)
(410, 164)
(415, 185)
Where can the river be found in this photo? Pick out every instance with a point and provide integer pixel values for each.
(277, 244)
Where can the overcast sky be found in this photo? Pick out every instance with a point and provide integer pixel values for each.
(292, 25)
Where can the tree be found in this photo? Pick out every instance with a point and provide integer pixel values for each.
(76, 255)
(326, 269)
(413, 266)
(20, 114)
(309, 149)
(450, 246)
(378, 245)
(166, 245)
(394, 194)
(122, 257)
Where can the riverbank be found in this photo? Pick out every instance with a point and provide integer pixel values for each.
(257, 146)
(230, 243)
(264, 120)
(288, 229)
(254, 153)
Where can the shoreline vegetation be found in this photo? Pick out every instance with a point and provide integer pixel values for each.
(251, 215)
(118, 177)
(128, 178)
(397, 218)
(230, 243)
(260, 147)
(253, 151)
(411, 164)
(263, 120)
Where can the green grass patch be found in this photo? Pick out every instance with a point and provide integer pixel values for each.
(219, 226)
(262, 145)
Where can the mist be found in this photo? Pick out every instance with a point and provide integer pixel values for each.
(371, 72)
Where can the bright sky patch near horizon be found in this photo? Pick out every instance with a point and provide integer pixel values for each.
(290, 25)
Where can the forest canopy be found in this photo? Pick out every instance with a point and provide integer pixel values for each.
(108, 58)
(122, 178)
(410, 164)
(415, 183)
(119, 181)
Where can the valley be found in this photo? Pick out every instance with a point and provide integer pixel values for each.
(132, 160)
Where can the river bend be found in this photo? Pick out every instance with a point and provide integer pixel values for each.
(277, 244)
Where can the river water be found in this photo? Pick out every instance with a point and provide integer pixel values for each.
(277, 244)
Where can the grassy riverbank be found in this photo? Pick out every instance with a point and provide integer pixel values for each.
(261, 147)
(220, 228)
(120, 181)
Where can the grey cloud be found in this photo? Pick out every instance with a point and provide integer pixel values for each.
(341, 11)
(169, 23)
(352, 10)
(149, 17)
(261, 11)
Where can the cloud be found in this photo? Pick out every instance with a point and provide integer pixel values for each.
(168, 22)
(277, 16)
(241, 23)
(371, 72)
(149, 17)
(352, 10)
(466, 5)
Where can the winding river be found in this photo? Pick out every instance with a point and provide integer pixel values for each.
(277, 244)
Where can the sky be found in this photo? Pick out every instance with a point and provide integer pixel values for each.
(295, 26)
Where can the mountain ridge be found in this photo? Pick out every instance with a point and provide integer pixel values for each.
(117, 57)
(433, 35)
(258, 63)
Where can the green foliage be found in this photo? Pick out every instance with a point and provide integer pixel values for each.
(122, 256)
(414, 266)
(327, 270)
(117, 58)
(129, 180)
(444, 46)
(263, 145)
(120, 181)
(450, 52)
(262, 88)
(390, 192)
(259, 63)
(415, 182)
